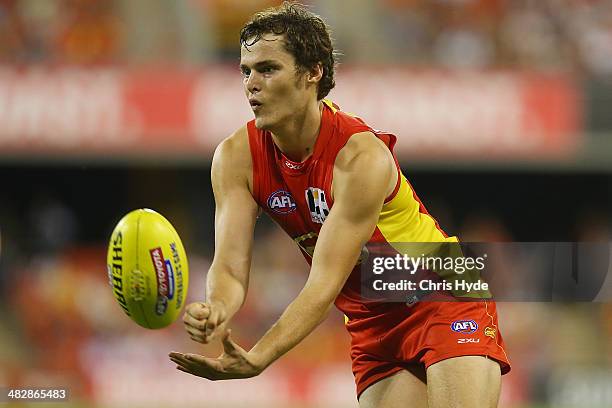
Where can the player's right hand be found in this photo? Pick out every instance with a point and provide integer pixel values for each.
(204, 321)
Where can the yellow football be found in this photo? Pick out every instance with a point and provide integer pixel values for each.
(147, 268)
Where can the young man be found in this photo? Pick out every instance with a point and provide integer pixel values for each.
(333, 184)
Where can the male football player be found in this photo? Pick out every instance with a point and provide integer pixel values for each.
(334, 185)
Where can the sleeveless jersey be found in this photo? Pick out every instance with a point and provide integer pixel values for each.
(297, 195)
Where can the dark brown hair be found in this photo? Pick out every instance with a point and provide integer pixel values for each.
(307, 38)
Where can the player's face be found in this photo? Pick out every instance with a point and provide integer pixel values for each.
(276, 92)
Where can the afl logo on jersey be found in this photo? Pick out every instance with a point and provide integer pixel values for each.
(281, 202)
(464, 326)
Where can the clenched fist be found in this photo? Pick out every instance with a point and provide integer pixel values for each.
(204, 321)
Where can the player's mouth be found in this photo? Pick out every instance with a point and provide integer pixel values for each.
(255, 105)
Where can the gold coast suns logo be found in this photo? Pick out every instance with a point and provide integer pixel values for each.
(490, 332)
(317, 204)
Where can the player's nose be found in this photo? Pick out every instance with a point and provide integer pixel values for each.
(253, 83)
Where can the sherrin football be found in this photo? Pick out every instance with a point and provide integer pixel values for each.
(147, 268)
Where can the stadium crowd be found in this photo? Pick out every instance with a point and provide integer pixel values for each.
(573, 35)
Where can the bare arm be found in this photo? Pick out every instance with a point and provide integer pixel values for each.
(235, 216)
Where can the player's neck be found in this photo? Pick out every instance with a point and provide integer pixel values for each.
(297, 137)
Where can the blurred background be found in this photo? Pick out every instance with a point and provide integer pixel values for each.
(503, 110)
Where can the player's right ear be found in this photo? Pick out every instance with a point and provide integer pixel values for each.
(315, 73)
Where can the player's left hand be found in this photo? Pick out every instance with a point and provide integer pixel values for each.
(235, 362)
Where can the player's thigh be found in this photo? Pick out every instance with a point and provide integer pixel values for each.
(466, 381)
(404, 389)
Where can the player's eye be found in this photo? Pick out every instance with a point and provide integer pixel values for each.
(245, 72)
(268, 69)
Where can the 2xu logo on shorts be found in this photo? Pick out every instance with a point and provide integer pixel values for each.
(469, 340)
(464, 326)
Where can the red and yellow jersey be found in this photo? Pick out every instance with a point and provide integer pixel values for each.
(298, 195)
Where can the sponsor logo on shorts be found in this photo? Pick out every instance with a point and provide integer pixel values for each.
(281, 202)
(317, 204)
(469, 340)
(490, 332)
(464, 326)
(164, 274)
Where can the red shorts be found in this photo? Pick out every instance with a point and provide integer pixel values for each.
(425, 333)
